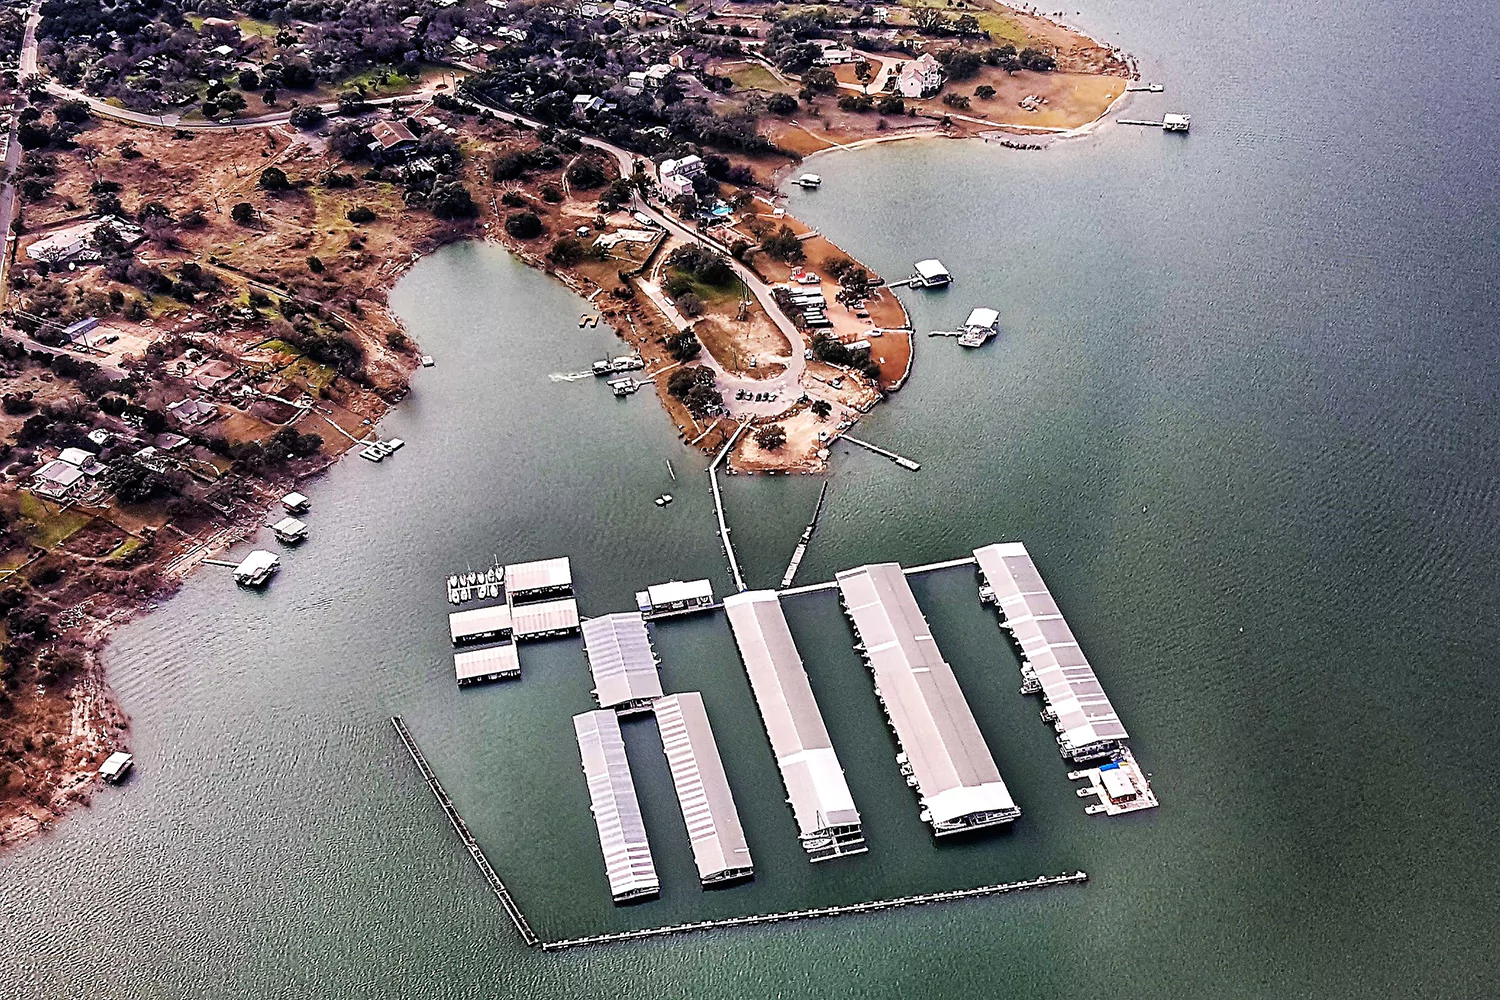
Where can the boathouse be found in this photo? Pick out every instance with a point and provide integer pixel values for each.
(488, 663)
(545, 618)
(675, 596)
(942, 749)
(930, 274)
(617, 812)
(713, 824)
(828, 824)
(1051, 658)
(622, 661)
(480, 625)
(539, 581)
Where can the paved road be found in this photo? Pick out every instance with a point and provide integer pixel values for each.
(13, 153)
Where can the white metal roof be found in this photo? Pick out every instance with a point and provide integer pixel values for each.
(115, 763)
(294, 500)
(814, 779)
(289, 525)
(472, 663)
(478, 621)
(617, 812)
(544, 574)
(621, 659)
(982, 318)
(258, 561)
(955, 773)
(547, 616)
(931, 268)
(713, 824)
(1084, 712)
(679, 590)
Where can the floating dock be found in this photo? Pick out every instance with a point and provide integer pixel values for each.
(828, 824)
(713, 481)
(1168, 123)
(817, 913)
(1120, 786)
(807, 533)
(905, 463)
(623, 664)
(943, 753)
(498, 887)
(617, 812)
(477, 585)
(713, 824)
(487, 663)
(675, 597)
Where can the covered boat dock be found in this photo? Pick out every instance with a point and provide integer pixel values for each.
(713, 824)
(622, 661)
(617, 812)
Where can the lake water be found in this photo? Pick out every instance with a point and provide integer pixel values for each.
(1244, 414)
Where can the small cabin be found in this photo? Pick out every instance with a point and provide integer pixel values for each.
(675, 596)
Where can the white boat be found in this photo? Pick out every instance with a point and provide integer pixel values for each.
(623, 386)
(427, 361)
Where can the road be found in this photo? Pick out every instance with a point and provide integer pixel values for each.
(13, 152)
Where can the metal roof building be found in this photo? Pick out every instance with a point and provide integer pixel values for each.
(713, 825)
(617, 812)
(956, 778)
(490, 663)
(479, 624)
(537, 580)
(676, 595)
(827, 821)
(1086, 721)
(533, 621)
(622, 661)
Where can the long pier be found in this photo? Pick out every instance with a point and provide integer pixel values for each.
(905, 463)
(819, 912)
(813, 588)
(807, 532)
(461, 828)
(713, 480)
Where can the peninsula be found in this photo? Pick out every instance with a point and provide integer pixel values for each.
(208, 204)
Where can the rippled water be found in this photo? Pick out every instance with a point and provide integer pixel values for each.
(1244, 414)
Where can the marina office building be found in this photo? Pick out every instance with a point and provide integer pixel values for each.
(1051, 660)
(828, 823)
(713, 824)
(617, 811)
(942, 749)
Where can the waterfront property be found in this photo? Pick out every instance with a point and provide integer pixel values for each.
(713, 824)
(257, 568)
(942, 750)
(617, 812)
(622, 661)
(930, 274)
(1052, 662)
(675, 597)
(487, 663)
(981, 325)
(480, 625)
(827, 821)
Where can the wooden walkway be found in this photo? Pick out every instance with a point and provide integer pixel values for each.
(905, 463)
(807, 533)
(813, 588)
(713, 482)
(818, 913)
(512, 910)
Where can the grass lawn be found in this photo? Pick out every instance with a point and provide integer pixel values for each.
(126, 547)
(754, 76)
(251, 28)
(50, 526)
(1001, 27)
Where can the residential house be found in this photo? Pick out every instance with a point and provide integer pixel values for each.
(56, 479)
(191, 412)
(392, 142)
(676, 176)
(920, 77)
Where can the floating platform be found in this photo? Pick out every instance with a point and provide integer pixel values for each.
(289, 530)
(1120, 786)
(379, 451)
(256, 569)
(487, 663)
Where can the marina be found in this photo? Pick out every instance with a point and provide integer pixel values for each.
(487, 663)
(1087, 724)
(713, 824)
(617, 812)
(942, 752)
(828, 824)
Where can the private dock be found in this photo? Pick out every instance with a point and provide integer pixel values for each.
(1168, 123)
(807, 532)
(905, 463)
(512, 910)
(820, 912)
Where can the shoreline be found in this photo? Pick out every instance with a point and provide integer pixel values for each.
(91, 689)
